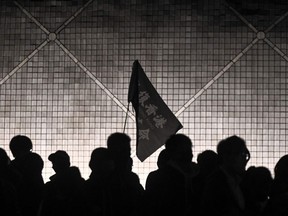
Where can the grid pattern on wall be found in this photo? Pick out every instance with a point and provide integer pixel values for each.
(219, 65)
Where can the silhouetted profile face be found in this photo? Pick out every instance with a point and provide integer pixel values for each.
(60, 161)
(233, 154)
(20, 145)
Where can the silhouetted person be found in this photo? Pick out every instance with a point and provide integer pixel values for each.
(119, 146)
(8, 193)
(278, 202)
(163, 159)
(29, 165)
(63, 194)
(208, 163)
(97, 187)
(256, 185)
(126, 188)
(7, 172)
(222, 195)
(169, 189)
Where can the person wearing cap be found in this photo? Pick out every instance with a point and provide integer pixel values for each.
(60, 162)
(63, 193)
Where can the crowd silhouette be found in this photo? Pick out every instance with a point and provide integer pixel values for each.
(218, 184)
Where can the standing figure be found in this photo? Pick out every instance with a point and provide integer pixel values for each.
(29, 164)
(63, 193)
(126, 189)
(222, 194)
(169, 190)
(98, 186)
(277, 204)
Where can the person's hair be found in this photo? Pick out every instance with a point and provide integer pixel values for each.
(19, 144)
(258, 176)
(163, 158)
(231, 146)
(281, 168)
(119, 142)
(179, 147)
(208, 158)
(177, 141)
(98, 156)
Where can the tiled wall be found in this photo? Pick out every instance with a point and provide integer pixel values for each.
(221, 66)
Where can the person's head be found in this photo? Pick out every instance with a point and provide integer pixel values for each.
(101, 161)
(20, 145)
(233, 154)
(179, 148)
(281, 169)
(257, 182)
(60, 160)
(163, 158)
(119, 146)
(33, 164)
(208, 161)
(119, 143)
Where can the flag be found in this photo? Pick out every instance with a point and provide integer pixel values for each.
(155, 122)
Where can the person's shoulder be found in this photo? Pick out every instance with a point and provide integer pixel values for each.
(152, 177)
(73, 173)
(158, 177)
(153, 173)
(49, 185)
(133, 177)
(33, 156)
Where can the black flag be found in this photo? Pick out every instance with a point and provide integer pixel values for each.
(155, 122)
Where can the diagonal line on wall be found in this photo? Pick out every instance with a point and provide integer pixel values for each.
(34, 52)
(83, 67)
(53, 36)
(20, 65)
(276, 22)
(64, 25)
(32, 18)
(270, 43)
(227, 66)
(259, 36)
(262, 35)
(276, 49)
(94, 78)
(216, 77)
(242, 18)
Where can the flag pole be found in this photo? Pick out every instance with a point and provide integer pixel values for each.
(125, 123)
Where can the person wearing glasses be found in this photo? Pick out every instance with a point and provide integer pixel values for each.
(222, 194)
